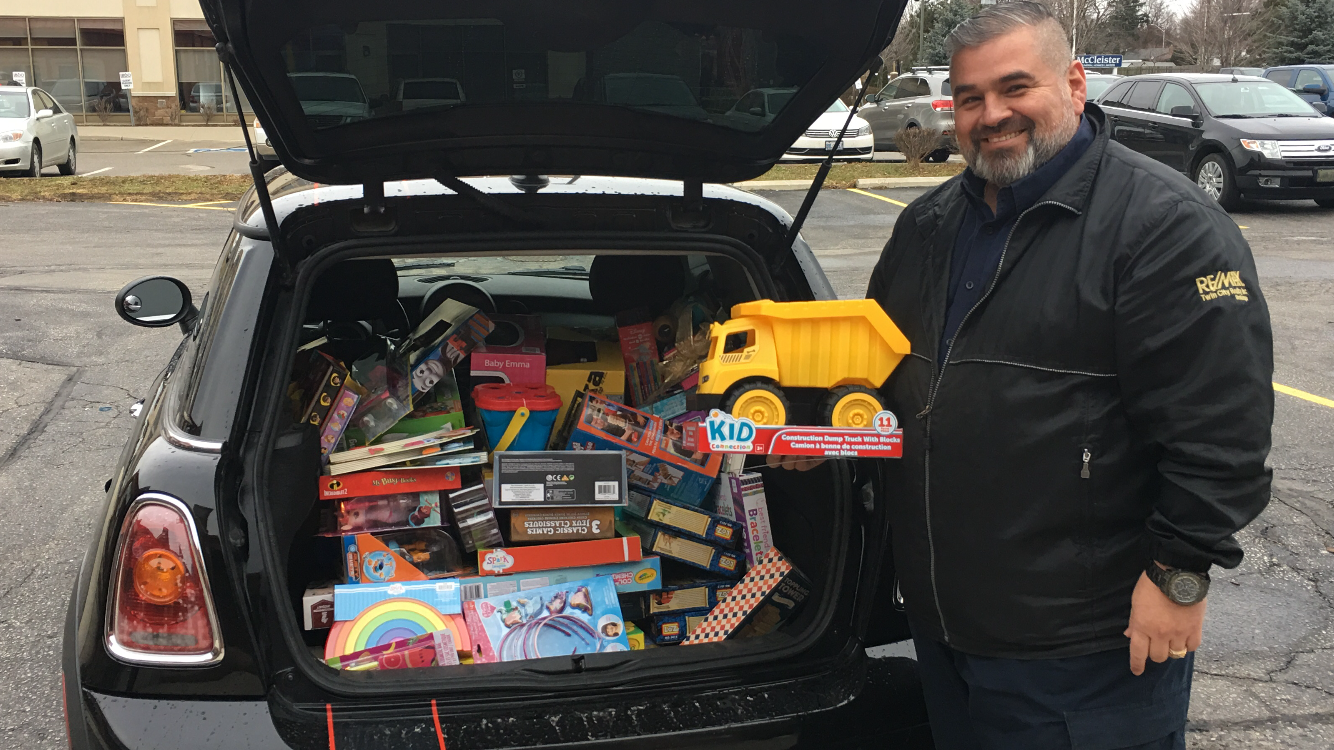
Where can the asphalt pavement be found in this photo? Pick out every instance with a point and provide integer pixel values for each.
(70, 369)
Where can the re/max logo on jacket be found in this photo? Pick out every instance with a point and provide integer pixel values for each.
(1222, 284)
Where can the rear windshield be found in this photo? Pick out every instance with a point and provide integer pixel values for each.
(1252, 99)
(697, 71)
(14, 103)
(1098, 85)
(431, 90)
(322, 88)
(945, 88)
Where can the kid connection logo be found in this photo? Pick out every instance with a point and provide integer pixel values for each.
(729, 434)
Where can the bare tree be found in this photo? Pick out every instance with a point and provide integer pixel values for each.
(1222, 33)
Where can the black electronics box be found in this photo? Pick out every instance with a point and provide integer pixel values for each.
(548, 479)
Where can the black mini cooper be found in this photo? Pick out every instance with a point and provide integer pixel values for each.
(184, 627)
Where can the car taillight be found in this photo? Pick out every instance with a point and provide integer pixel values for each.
(161, 610)
(942, 105)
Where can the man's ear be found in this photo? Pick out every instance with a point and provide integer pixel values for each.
(1079, 87)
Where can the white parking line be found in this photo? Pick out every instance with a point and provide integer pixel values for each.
(155, 145)
(96, 171)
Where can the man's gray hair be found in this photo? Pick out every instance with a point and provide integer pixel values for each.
(998, 20)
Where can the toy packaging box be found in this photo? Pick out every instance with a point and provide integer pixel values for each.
(372, 483)
(561, 524)
(579, 617)
(454, 330)
(683, 519)
(692, 597)
(639, 351)
(501, 561)
(412, 555)
(540, 479)
(636, 577)
(434, 649)
(771, 592)
(723, 433)
(474, 519)
(317, 606)
(655, 458)
(405, 510)
(603, 374)
(654, 540)
(338, 418)
(751, 509)
(675, 628)
(514, 352)
(351, 600)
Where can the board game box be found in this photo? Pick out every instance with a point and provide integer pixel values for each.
(771, 592)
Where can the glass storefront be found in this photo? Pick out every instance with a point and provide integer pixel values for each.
(199, 81)
(78, 62)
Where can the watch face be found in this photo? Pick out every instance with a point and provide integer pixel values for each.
(1184, 588)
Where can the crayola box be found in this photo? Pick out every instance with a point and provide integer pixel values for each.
(579, 617)
(683, 519)
(629, 577)
(655, 458)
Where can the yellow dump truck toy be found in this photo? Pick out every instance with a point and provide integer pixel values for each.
(846, 348)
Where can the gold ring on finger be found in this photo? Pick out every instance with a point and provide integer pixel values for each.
(1177, 654)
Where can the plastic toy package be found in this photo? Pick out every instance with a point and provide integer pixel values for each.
(405, 510)
(413, 555)
(580, 617)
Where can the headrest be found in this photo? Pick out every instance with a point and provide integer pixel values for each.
(623, 282)
(355, 290)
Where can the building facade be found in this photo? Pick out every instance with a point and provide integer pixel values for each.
(77, 49)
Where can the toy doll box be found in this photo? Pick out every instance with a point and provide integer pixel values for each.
(723, 433)
(655, 456)
(514, 352)
(771, 591)
(579, 617)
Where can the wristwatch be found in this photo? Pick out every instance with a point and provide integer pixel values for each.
(1181, 586)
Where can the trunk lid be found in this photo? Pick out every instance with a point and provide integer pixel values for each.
(558, 87)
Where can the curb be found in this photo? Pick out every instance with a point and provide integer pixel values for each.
(864, 183)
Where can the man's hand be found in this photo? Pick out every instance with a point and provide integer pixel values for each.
(800, 463)
(1159, 625)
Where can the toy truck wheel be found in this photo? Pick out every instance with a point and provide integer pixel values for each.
(759, 401)
(850, 406)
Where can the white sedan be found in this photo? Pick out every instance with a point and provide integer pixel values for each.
(818, 140)
(35, 132)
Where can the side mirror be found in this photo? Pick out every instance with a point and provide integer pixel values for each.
(757, 111)
(1185, 110)
(1314, 88)
(1320, 107)
(872, 98)
(42, 114)
(156, 302)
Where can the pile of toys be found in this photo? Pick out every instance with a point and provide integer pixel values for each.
(499, 491)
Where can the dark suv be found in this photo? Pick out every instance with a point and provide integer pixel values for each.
(1235, 136)
(185, 625)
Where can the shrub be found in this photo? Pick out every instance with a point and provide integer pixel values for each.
(103, 107)
(916, 143)
(207, 111)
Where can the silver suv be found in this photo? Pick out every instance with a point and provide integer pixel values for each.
(920, 98)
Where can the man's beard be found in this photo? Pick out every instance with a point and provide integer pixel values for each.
(1005, 166)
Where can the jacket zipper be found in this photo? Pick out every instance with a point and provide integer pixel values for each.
(931, 400)
(1084, 472)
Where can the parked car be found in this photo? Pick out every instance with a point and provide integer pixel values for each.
(820, 137)
(1237, 137)
(1313, 83)
(35, 132)
(1241, 71)
(918, 99)
(429, 92)
(211, 94)
(185, 620)
(1098, 83)
(330, 99)
(654, 92)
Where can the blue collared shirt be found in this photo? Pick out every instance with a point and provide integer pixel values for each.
(982, 236)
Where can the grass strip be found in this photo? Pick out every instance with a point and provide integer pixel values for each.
(149, 187)
(846, 175)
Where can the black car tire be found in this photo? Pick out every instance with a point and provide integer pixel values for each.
(71, 165)
(1325, 202)
(938, 156)
(1214, 175)
(35, 164)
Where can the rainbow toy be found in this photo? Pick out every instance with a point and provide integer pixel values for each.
(393, 619)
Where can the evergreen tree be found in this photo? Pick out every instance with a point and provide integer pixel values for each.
(1124, 21)
(942, 18)
(1303, 31)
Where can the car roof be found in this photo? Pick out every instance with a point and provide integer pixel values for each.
(1195, 77)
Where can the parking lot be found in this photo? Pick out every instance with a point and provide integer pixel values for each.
(70, 369)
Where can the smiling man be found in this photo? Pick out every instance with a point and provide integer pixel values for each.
(1086, 411)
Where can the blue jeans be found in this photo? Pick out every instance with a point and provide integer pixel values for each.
(1088, 702)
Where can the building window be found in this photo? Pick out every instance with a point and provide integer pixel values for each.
(199, 81)
(78, 62)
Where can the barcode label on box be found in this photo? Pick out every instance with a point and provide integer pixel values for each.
(471, 591)
(606, 491)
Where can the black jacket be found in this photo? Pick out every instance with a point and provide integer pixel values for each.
(1107, 403)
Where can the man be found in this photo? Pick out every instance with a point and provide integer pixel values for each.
(1086, 411)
